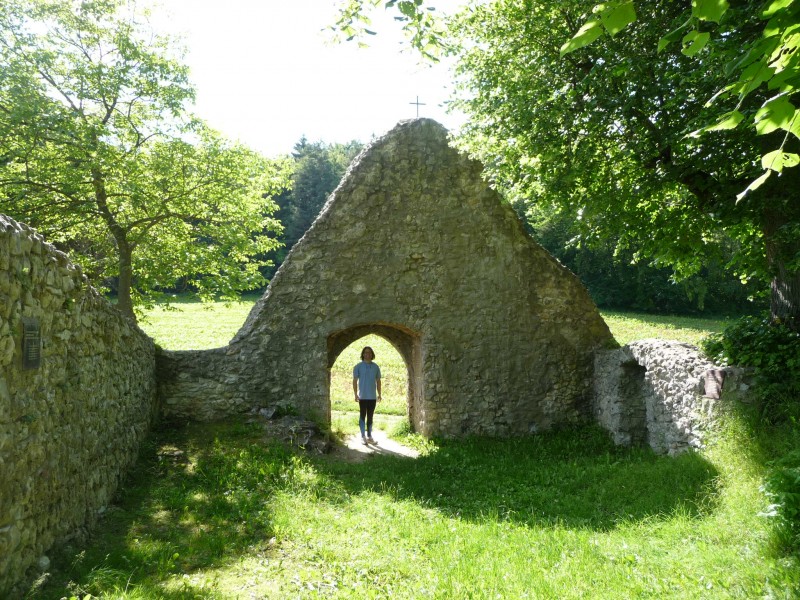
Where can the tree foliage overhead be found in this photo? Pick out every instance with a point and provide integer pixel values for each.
(768, 61)
(604, 134)
(98, 150)
(421, 26)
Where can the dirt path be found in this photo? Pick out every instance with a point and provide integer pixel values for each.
(355, 451)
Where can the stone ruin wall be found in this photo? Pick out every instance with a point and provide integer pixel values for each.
(662, 393)
(415, 245)
(70, 428)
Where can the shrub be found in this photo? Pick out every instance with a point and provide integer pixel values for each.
(772, 350)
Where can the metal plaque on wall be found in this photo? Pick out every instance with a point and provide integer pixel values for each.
(31, 343)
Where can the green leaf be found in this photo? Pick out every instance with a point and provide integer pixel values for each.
(754, 185)
(778, 159)
(775, 114)
(753, 76)
(617, 16)
(774, 7)
(709, 10)
(672, 36)
(407, 8)
(729, 120)
(590, 31)
(694, 41)
(794, 124)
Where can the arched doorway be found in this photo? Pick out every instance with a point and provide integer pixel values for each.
(408, 345)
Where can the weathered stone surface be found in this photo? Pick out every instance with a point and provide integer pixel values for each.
(663, 393)
(413, 245)
(70, 428)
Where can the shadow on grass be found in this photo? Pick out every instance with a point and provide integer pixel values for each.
(574, 478)
(199, 497)
(195, 499)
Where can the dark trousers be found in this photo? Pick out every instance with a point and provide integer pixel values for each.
(366, 411)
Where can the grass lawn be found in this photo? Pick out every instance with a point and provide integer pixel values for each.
(628, 326)
(192, 325)
(217, 511)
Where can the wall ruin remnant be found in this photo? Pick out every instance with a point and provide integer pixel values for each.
(72, 416)
(662, 393)
(413, 245)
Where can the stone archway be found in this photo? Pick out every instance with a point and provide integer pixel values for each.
(407, 343)
(413, 245)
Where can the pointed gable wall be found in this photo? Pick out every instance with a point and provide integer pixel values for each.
(413, 245)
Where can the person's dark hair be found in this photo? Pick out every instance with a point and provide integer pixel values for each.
(365, 349)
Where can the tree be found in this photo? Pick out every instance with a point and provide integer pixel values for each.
(617, 279)
(99, 152)
(317, 168)
(604, 135)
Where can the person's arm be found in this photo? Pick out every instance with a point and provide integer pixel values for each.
(378, 382)
(355, 388)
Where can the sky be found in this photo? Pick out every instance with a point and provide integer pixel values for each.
(267, 73)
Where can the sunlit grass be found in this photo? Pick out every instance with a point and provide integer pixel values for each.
(192, 325)
(216, 511)
(629, 326)
(188, 324)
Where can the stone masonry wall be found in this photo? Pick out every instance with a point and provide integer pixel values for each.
(662, 393)
(70, 427)
(413, 245)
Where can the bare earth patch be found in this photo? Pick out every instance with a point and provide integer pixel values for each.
(354, 450)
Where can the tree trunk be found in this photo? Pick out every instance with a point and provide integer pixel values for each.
(782, 248)
(124, 300)
(781, 225)
(124, 250)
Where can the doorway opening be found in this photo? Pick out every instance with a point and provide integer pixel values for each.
(397, 353)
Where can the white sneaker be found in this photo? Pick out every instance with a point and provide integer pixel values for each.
(363, 440)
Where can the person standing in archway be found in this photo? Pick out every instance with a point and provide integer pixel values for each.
(367, 392)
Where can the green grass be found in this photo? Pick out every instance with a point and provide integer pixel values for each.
(191, 325)
(629, 326)
(188, 324)
(217, 511)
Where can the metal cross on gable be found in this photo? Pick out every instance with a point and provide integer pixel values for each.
(418, 103)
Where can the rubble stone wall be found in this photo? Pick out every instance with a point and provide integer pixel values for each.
(413, 245)
(662, 393)
(71, 426)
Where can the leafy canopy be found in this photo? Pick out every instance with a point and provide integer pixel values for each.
(769, 60)
(99, 151)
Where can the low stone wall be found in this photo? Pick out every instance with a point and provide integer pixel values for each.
(71, 417)
(199, 385)
(662, 393)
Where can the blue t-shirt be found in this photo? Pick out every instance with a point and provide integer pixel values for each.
(367, 374)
